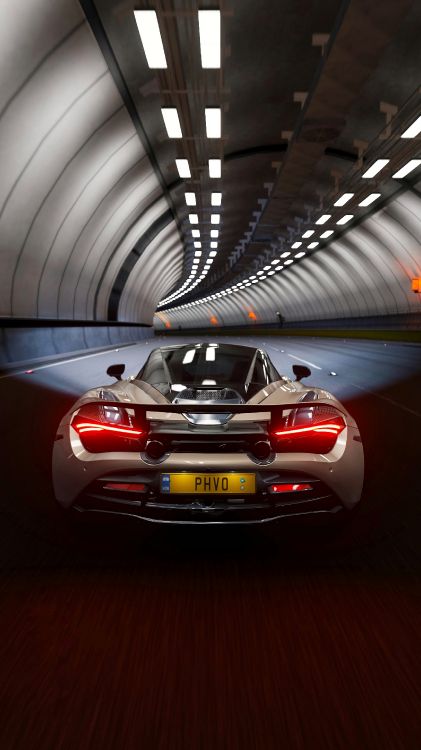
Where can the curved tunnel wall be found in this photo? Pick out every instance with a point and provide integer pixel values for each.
(77, 190)
(366, 272)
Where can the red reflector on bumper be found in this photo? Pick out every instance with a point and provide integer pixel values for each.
(124, 487)
(290, 487)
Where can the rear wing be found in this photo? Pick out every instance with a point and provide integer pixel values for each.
(273, 411)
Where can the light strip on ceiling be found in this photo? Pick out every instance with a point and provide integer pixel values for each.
(213, 122)
(370, 199)
(215, 218)
(413, 130)
(308, 233)
(344, 199)
(193, 219)
(210, 38)
(195, 232)
(406, 169)
(345, 219)
(214, 167)
(375, 168)
(312, 245)
(214, 233)
(323, 219)
(190, 199)
(296, 245)
(183, 168)
(216, 199)
(172, 122)
(326, 234)
(150, 35)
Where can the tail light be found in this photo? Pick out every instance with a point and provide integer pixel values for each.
(103, 429)
(313, 430)
(278, 488)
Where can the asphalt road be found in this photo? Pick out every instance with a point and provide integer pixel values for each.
(215, 638)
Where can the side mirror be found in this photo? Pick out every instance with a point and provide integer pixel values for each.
(300, 372)
(116, 371)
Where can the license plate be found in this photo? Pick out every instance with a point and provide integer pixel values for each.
(208, 484)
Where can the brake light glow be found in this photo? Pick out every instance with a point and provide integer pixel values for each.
(290, 487)
(316, 437)
(108, 429)
(125, 487)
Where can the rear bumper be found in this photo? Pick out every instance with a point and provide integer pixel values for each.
(260, 508)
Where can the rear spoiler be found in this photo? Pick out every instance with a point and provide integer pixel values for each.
(274, 410)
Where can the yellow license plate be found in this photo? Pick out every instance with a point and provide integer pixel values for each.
(208, 484)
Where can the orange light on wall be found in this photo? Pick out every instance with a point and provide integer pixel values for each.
(167, 324)
(214, 320)
(252, 315)
(416, 285)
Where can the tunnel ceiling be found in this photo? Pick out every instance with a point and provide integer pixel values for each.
(93, 217)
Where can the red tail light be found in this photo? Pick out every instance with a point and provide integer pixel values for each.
(314, 430)
(103, 429)
(276, 488)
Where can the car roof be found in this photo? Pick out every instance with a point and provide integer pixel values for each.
(226, 348)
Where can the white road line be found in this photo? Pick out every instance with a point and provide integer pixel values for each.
(66, 361)
(293, 356)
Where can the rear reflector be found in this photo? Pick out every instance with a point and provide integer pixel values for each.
(290, 487)
(119, 486)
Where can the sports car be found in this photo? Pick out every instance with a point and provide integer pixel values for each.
(208, 433)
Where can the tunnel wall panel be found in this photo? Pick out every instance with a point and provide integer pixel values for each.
(26, 344)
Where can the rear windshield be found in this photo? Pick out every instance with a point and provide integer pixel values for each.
(207, 365)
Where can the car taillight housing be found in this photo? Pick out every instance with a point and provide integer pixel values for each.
(312, 430)
(103, 429)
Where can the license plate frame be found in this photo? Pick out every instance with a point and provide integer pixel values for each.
(208, 483)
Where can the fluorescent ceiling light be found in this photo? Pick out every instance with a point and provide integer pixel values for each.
(213, 122)
(403, 171)
(300, 255)
(215, 218)
(276, 261)
(214, 244)
(214, 233)
(312, 245)
(210, 38)
(197, 253)
(212, 254)
(262, 277)
(190, 199)
(214, 167)
(323, 219)
(344, 199)
(193, 219)
(255, 281)
(197, 244)
(150, 35)
(259, 273)
(183, 168)
(370, 199)
(345, 219)
(413, 130)
(375, 168)
(195, 232)
(287, 262)
(252, 277)
(172, 122)
(296, 245)
(285, 255)
(216, 199)
(266, 268)
(308, 233)
(326, 234)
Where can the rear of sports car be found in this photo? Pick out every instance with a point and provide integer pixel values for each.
(205, 453)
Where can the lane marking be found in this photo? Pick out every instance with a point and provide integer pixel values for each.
(66, 361)
(293, 356)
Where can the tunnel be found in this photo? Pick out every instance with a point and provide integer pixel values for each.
(236, 181)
